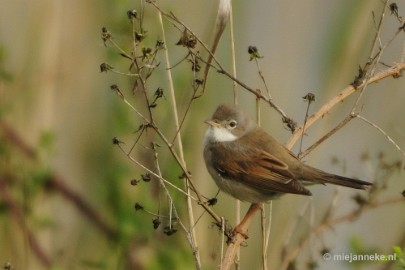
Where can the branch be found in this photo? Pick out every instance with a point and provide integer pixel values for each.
(17, 214)
(238, 238)
(193, 236)
(394, 71)
(58, 183)
(173, 19)
(329, 223)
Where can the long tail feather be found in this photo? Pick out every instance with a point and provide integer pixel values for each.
(318, 176)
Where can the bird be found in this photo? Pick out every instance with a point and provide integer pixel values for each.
(250, 165)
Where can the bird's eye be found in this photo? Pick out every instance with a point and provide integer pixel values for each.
(232, 124)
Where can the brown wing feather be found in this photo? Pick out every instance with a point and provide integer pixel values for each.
(256, 168)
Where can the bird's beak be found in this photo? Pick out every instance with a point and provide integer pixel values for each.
(212, 123)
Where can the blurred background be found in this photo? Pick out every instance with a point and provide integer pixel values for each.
(65, 187)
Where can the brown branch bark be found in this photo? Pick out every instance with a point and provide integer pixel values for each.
(239, 237)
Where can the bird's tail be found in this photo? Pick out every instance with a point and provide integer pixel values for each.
(322, 177)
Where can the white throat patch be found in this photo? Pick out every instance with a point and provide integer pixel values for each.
(215, 134)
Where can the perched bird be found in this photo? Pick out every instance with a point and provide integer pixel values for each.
(249, 164)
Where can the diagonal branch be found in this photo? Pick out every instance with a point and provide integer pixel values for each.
(393, 71)
(58, 183)
(339, 98)
(18, 215)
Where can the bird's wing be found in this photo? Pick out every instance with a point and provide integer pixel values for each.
(256, 168)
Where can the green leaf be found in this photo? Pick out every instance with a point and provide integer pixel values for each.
(398, 251)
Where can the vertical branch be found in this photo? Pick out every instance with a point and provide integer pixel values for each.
(235, 101)
(374, 58)
(262, 77)
(224, 9)
(233, 56)
(180, 147)
(310, 98)
(264, 233)
(266, 247)
(238, 238)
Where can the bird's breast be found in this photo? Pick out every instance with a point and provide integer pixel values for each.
(214, 134)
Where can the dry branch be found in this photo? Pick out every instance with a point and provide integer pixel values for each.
(394, 71)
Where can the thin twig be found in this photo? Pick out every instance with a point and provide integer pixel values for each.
(199, 198)
(346, 92)
(330, 223)
(172, 206)
(262, 78)
(264, 233)
(310, 100)
(154, 174)
(235, 101)
(180, 147)
(224, 10)
(233, 54)
(220, 68)
(267, 239)
(234, 246)
(382, 132)
(369, 68)
(345, 121)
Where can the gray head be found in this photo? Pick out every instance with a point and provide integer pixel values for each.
(229, 123)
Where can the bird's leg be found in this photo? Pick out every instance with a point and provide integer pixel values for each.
(240, 228)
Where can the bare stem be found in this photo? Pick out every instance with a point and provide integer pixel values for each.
(383, 133)
(339, 98)
(331, 222)
(180, 147)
